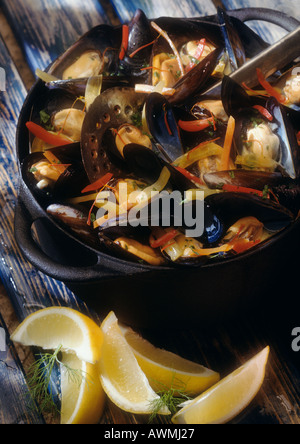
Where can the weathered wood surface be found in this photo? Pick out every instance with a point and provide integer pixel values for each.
(45, 29)
(16, 405)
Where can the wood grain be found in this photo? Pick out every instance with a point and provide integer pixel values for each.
(16, 405)
(154, 9)
(45, 28)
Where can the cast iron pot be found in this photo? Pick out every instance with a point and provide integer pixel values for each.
(147, 296)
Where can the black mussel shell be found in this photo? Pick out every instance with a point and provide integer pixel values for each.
(104, 39)
(194, 81)
(75, 219)
(256, 180)
(142, 162)
(234, 97)
(231, 206)
(232, 41)
(252, 43)
(140, 35)
(147, 165)
(70, 182)
(163, 127)
(78, 86)
(289, 148)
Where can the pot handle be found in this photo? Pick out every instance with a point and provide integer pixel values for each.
(268, 15)
(65, 273)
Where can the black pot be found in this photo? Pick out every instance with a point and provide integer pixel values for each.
(147, 296)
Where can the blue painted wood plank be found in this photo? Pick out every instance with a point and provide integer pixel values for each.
(16, 404)
(46, 28)
(28, 288)
(154, 9)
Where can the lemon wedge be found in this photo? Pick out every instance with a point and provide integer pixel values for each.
(52, 327)
(166, 370)
(82, 398)
(229, 397)
(122, 378)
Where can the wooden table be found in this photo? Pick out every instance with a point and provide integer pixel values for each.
(35, 32)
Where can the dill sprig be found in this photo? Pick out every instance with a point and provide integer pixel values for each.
(39, 380)
(170, 397)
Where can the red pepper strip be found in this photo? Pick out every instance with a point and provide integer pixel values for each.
(142, 47)
(238, 189)
(124, 45)
(166, 120)
(298, 138)
(198, 54)
(46, 136)
(242, 245)
(163, 239)
(194, 126)
(98, 184)
(264, 112)
(190, 176)
(269, 88)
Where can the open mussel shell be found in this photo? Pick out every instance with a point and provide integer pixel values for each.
(116, 228)
(163, 127)
(232, 206)
(113, 108)
(194, 81)
(68, 184)
(104, 41)
(50, 102)
(289, 150)
(74, 219)
(252, 43)
(285, 190)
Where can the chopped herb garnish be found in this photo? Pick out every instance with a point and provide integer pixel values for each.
(46, 120)
(266, 192)
(136, 119)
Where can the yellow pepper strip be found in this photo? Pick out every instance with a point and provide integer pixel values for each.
(203, 151)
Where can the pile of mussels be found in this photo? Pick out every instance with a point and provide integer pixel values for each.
(125, 115)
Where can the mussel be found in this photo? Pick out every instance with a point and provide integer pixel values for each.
(55, 174)
(138, 51)
(163, 126)
(75, 219)
(147, 169)
(264, 136)
(94, 53)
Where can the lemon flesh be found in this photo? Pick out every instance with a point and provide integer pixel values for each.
(229, 397)
(52, 327)
(82, 398)
(167, 370)
(121, 376)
